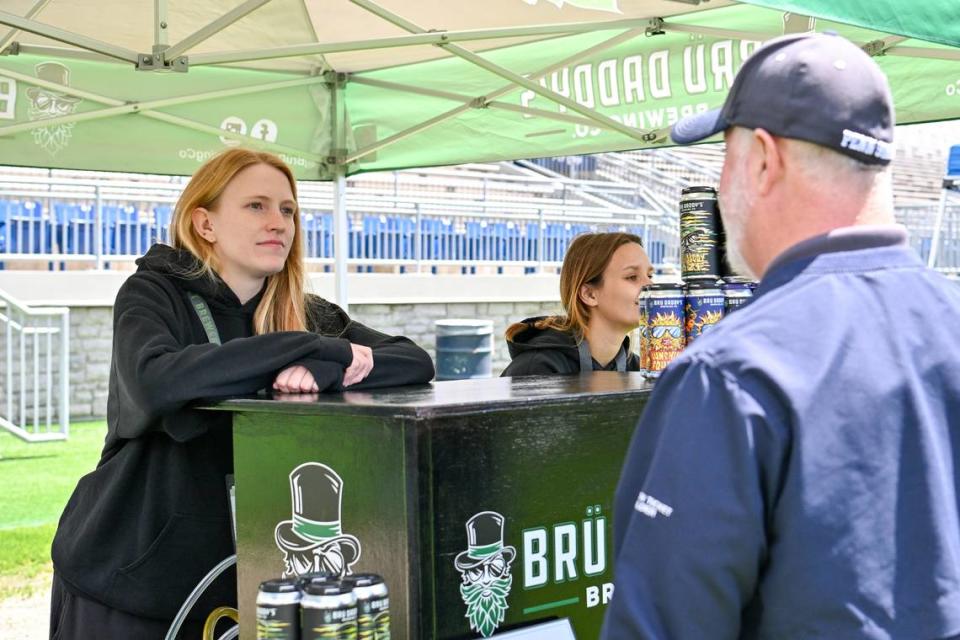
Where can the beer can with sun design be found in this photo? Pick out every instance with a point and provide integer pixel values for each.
(703, 308)
(664, 325)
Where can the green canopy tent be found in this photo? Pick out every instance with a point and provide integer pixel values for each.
(339, 87)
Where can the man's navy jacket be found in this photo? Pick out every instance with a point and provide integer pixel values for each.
(796, 471)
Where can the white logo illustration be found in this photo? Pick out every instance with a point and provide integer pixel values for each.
(46, 104)
(312, 539)
(485, 569)
(265, 130)
(233, 124)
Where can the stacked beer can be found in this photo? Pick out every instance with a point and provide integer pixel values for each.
(320, 607)
(673, 315)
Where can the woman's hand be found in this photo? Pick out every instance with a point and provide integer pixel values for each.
(361, 366)
(295, 379)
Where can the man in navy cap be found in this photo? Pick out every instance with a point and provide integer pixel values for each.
(796, 470)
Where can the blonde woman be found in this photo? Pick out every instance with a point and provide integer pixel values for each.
(221, 312)
(600, 281)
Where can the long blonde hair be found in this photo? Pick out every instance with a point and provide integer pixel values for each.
(587, 258)
(282, 307)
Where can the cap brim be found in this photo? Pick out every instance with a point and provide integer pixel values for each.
(699, 127)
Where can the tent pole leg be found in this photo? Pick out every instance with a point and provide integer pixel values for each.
(938, 222)
(341, 225)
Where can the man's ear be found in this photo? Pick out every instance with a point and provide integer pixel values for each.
(203, 225)
(766, 161)
(588, 295)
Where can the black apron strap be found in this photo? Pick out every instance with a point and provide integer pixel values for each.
(206, 318)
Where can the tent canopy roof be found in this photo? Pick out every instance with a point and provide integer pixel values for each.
(363, 85)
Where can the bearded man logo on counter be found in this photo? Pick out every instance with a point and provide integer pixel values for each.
(312, 540)
(485, 569)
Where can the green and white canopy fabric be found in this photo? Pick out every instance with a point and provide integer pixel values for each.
(344, 86)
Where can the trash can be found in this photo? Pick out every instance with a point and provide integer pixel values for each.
(464, 349)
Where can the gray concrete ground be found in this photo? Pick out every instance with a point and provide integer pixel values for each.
(26, 617)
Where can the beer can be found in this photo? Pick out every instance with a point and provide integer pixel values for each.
(278, 610)
(328, 611)
(314, 576)
(735, 294)
(373, 606)
(703, 308)
(700, 229)
(664, 325)
(643, 330)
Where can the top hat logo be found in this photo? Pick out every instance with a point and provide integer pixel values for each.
(47, 104)
(315, 527)
(57, 74)
(484, 541)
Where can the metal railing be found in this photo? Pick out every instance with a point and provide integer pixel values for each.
(920, 221)
(34, 400)
(407, 219)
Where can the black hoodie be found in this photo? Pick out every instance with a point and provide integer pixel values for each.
(152, 519)
(541, 352)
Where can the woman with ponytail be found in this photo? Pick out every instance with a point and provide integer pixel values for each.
(600, 282)
(221, 312)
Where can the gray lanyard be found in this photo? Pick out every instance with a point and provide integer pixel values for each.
(206, 318)
(586, 360)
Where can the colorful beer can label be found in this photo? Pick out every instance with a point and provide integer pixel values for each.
(699, 234)
(664, 326)
(703, 308)
(644, 332)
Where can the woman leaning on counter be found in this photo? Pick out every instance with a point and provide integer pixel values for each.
(221, 312)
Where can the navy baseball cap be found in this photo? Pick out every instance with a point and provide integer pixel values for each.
(817, 87)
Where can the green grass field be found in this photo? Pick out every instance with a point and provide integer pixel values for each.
(36, 481)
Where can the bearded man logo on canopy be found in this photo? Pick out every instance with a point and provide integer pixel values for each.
(312, 539)
(485, 569)
(46, 104)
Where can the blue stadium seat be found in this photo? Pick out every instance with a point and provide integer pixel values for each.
(75, 228)
(162, 216)
(317, 229)
(130, 231)
(4, 206)
(28, 231)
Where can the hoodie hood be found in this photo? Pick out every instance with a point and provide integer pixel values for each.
(183, 268)
(533, 339)
(560, 343)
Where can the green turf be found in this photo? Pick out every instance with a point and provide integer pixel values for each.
(36, 479)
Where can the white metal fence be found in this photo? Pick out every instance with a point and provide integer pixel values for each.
(35, 352)
(406, 219)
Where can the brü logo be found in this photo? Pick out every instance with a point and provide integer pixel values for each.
(46, 104)
(485, 569)
(312, 540)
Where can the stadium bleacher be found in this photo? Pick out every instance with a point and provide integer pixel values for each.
(520, 215)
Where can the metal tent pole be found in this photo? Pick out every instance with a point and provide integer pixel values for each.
(338, 167)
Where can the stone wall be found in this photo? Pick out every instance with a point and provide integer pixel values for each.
(91, 340)
(91, 336)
